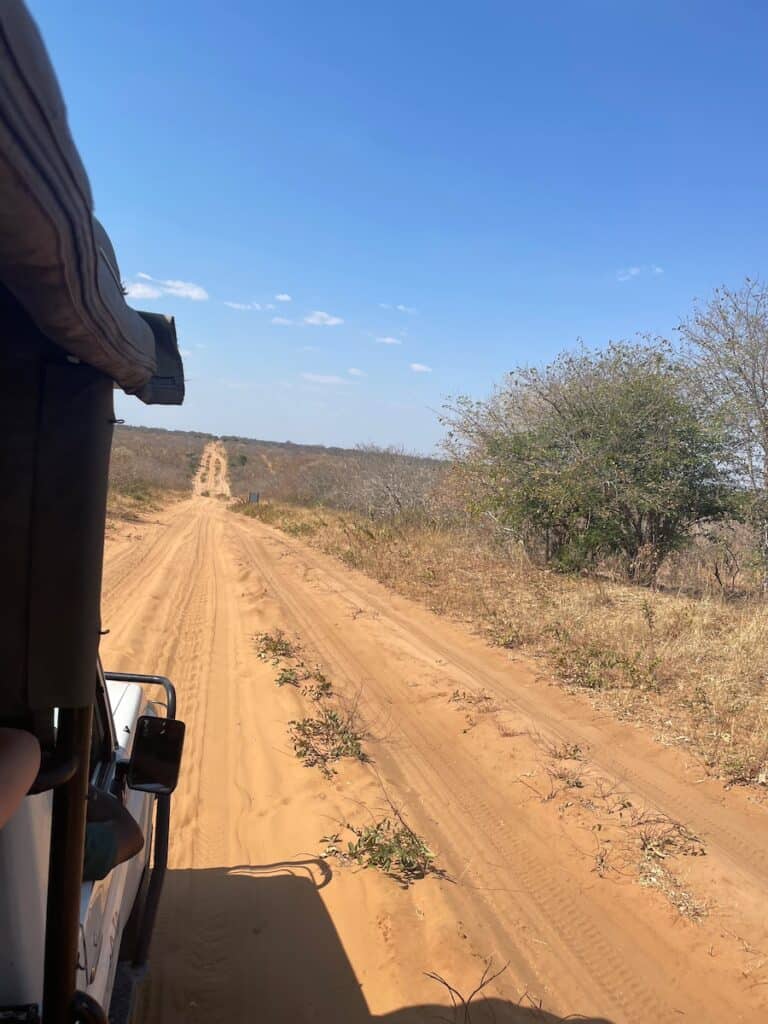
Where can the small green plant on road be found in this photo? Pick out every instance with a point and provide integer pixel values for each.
(274, 646)
(390, 845)
(322, 740)
(317, 686)
(287, 677)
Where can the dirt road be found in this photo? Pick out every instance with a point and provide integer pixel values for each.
(211, 479)
(576, 850)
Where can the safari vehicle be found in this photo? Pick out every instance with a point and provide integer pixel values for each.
(88, 759)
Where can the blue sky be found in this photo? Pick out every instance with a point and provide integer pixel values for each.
(480, 184)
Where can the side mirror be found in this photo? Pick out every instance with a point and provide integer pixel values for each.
(156, 758)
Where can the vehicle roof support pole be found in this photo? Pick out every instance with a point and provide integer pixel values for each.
(62, 932)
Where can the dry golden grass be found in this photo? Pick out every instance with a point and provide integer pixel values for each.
(694, 668)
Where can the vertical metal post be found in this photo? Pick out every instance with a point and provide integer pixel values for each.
(65, 875)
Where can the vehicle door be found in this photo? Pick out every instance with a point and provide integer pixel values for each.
(106, 904)
(94, 895)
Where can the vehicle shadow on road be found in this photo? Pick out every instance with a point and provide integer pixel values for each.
(247, 944)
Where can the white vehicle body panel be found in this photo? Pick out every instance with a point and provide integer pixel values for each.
(24, 853)
(105, 905)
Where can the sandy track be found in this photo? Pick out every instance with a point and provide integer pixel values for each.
(254, 926)
(211, 478)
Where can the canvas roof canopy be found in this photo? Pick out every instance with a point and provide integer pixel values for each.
(67, 336)
(55, 258)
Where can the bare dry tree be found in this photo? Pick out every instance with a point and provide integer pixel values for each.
(462, 1005)
(727, 342)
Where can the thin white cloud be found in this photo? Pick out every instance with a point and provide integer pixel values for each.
(322, 378)
(399, 307)
(630, 273)
(241, 305)
(354, 372)
(627, 273)
(139, 290)
(323, 319)
(283, 297)
(281, 321)
(158, 286)
(420, 368)
(185, 352)
(185, 290)
(269, 305)
(388, 341)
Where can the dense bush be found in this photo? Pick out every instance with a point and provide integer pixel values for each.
(600, 454)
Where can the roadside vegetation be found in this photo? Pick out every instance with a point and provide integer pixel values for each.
(375, 481)
(629, 840)
(607, 513)
(686, 656)
(320, 740)
(334, 731)
(331, 733)
(275, 646)
(147, 466)
(388, 844)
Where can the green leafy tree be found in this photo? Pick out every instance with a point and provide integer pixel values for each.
(600, 453)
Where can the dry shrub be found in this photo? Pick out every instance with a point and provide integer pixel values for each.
(723, 559)
(377, 482)
(146, 463)
(693, 667)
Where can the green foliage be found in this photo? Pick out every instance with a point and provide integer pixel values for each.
(599, 454)
(389, 845)
(317, 686)
(274, 646)
(326, 738)
(287, 677)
